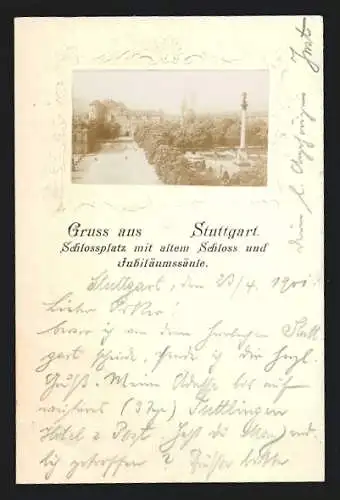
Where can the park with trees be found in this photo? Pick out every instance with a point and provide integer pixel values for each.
(166, 143)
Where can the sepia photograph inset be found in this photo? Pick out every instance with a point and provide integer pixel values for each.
(170, 127)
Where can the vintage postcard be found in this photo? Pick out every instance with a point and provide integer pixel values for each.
(169, 249)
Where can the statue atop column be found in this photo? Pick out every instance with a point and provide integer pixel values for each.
(244, 104)
(242, 154)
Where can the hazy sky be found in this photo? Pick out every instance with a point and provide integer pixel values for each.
(212, 90)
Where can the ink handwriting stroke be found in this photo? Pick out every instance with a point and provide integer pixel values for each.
(161, 393)
(305, 47)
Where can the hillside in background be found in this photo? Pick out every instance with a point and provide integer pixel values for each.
(81, 106)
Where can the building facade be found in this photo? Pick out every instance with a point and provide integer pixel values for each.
(109, 111)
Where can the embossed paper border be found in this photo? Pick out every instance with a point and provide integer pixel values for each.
(166, 43)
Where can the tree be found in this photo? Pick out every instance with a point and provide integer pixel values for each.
(232, 135)
(258, 133)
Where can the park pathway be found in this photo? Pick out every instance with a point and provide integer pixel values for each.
(117, 162)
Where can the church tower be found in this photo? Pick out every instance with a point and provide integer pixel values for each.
(192, 102)
(187, 110)
(184, 109)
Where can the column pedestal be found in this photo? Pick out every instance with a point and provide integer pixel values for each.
(242, 159)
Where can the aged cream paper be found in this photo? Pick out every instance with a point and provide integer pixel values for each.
(212, 373)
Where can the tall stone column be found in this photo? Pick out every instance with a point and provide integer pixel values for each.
(243, 129)
(242, 155)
